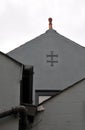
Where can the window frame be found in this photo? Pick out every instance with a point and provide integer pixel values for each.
(44, 93)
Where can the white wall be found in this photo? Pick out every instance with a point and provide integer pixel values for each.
(63, 112)
(69, 69)
(10, 76)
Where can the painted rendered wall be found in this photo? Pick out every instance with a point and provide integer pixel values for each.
(10, 76)
(63, 112)
(71, 60)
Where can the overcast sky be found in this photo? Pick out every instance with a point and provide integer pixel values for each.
(23, 20)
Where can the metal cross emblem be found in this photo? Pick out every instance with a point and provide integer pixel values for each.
(53, 59)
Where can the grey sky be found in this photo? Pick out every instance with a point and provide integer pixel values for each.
(23, 20)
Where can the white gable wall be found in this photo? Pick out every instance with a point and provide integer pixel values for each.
(63, 112)
(69, 69)
(10, 76)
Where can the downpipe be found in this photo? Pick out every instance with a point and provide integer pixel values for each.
(21, 111)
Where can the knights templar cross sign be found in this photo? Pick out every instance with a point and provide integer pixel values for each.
(53, 58)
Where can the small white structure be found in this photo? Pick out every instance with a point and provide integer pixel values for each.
(65, 111)
(10, 77)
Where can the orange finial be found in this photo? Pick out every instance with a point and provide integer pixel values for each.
(50, 23)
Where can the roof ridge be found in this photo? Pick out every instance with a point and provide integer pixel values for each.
(25, 43)
(30, 42)
(11, 58)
